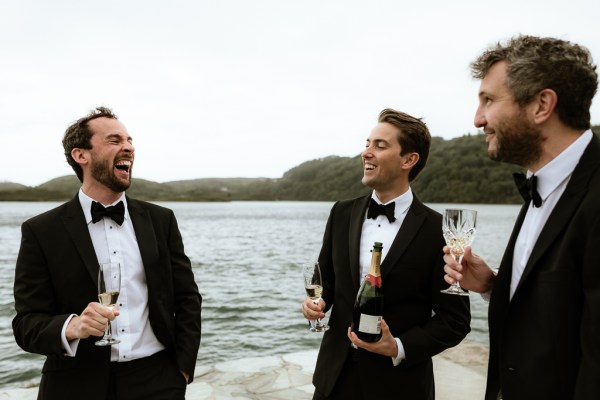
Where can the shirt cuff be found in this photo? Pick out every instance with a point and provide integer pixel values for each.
(70, 348)
(401, 355)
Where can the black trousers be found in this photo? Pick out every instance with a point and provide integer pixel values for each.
(352, 386)
(151, 378)
(348, 385)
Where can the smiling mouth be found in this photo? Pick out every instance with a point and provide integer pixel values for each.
(369, 167)
(124, 165)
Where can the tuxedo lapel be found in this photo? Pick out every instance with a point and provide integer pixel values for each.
(357, 218)
(415, 217)
(146, 239)
(566, 206)
(499, 300)
(74, 221)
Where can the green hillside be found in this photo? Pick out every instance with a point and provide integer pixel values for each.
(458, 171)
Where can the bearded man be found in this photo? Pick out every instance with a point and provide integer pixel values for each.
(157, 317)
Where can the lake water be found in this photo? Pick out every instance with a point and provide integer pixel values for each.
(246, 258)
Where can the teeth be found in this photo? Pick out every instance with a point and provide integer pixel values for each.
(369, 167)
(123, 165)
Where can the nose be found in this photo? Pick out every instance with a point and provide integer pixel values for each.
(479, 121)
(128, 147)
(366, 153)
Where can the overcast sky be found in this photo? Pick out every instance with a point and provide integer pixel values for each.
(249, 88)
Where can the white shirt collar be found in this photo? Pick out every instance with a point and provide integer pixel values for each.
(86, 204)
(561, 167)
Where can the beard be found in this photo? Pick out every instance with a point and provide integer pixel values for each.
(102, 173)
(518, 141)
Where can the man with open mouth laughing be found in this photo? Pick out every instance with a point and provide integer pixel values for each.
(156, 318)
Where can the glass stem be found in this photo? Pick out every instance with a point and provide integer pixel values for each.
(107, 331)
(318, 320)
(458, 258)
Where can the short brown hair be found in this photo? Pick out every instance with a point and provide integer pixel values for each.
(413, 137)
(535, 64)
(78, 135)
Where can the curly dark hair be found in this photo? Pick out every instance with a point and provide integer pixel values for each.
(78, 135)
(536, 63)
(413, 136)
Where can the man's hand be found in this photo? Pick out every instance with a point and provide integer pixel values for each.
(91, 322)
(472, 273)
(312, 311)
(386, 346)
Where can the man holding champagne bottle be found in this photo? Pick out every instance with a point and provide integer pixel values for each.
(418, 321)
(156, 321)
(544, 312)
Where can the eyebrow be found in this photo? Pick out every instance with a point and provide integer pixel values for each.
(118, 136)
(378, 141)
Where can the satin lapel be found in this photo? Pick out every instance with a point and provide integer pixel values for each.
(566, 206)
(146, 239)
(415, 217)
(357, 217)
(74, 221)
(500, 295)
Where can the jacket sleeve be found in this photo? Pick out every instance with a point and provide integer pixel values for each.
(187, 303)
(36, 326)
(588, 384)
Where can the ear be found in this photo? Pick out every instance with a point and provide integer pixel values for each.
(409, 160)
(545, 103)
(81, 156)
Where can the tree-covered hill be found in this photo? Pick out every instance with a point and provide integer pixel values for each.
(458, 171)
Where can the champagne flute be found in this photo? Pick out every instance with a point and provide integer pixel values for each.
(109, 286)
(314, 289)
(459, 231)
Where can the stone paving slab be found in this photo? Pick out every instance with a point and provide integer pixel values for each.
(459, 375)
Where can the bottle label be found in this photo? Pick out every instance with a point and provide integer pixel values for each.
(370, 323)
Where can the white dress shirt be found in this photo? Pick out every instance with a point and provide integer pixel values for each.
(381, 230)
(118, 244)
(552, 180)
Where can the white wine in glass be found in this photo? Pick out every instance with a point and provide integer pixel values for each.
(109, 287)
(458, 228)
(314, 289)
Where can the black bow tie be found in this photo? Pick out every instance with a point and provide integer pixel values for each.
(116, 212)
(528, 188)
(376, 209)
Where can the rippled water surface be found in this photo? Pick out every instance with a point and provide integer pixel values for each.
(246, 258)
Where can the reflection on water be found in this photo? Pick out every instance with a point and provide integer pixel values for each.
(246, 258)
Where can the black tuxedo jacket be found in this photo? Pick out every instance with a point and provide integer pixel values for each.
(425, 320)
(56, 276)
(545, 342)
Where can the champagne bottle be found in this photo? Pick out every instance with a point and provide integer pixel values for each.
(368, 307)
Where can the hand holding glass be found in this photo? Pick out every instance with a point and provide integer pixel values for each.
(109, 286)
(314, 289)
(459, 231)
